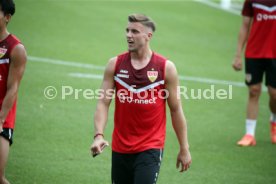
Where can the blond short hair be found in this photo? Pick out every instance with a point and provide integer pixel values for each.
(143, 19)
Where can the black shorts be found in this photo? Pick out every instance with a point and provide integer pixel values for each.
(256, 68)
(7, 133)
(138, 168)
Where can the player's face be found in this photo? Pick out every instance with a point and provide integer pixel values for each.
(4, 19)
(137, 36)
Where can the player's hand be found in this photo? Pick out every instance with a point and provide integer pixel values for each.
(184, 160)
(237, 63)
(98, 145)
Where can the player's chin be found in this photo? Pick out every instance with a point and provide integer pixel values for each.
(132, 49)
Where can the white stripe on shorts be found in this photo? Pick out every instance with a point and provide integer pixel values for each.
(10, 134)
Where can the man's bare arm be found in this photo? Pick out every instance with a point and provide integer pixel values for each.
(101, 113)
(16, 71)
(242, 39)
(177, 116)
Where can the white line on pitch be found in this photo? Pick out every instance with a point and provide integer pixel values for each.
(64, 63)
(215, 5)
(183, 78)
(86, 75)
(211, 81)
(97, 67)
(93, 76)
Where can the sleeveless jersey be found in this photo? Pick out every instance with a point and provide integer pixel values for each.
(262, 38)
(140, 105)
(6, 47)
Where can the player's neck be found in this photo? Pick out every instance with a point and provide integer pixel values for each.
(141, 55)
(3, 33)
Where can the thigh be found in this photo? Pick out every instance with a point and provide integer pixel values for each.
(121, 172)
(254, 70)
(270, 73)
(147, 166)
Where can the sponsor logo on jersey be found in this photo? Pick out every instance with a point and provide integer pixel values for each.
(122, 75)
(265, 17)
(130, 100)
(123, 71)
(3, 52)
(152, 75)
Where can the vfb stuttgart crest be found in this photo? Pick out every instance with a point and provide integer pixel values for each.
(2, 52)
(152, 75)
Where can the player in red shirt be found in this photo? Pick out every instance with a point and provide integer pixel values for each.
(143, 82)
(12, 65)
(259, 28)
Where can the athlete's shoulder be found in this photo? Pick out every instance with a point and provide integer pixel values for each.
(126, 53)
(19, 55)
(159, 56)
(247, 9)
(18, 49)
(170, 66)
(16, 45)
(13, 37)
(121, 59)
(123, 56)
(111, 63)
(12, 40)
(12, 45)
(170, 69)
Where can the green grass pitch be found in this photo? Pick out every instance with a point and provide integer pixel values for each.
(52, 137)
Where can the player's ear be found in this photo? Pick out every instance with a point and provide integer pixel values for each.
(149, 35)
(8, 18)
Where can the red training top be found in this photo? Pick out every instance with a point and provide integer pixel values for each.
(262, 38)
(140, 106)
(6, 47)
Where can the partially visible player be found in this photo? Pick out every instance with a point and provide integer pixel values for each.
(140, 78)
(258, 30)
(12, 65)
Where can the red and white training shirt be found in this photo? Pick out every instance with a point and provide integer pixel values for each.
(262, 38)
(6, 47)
(140, 105)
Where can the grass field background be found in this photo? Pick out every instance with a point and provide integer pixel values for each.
(53, 137)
